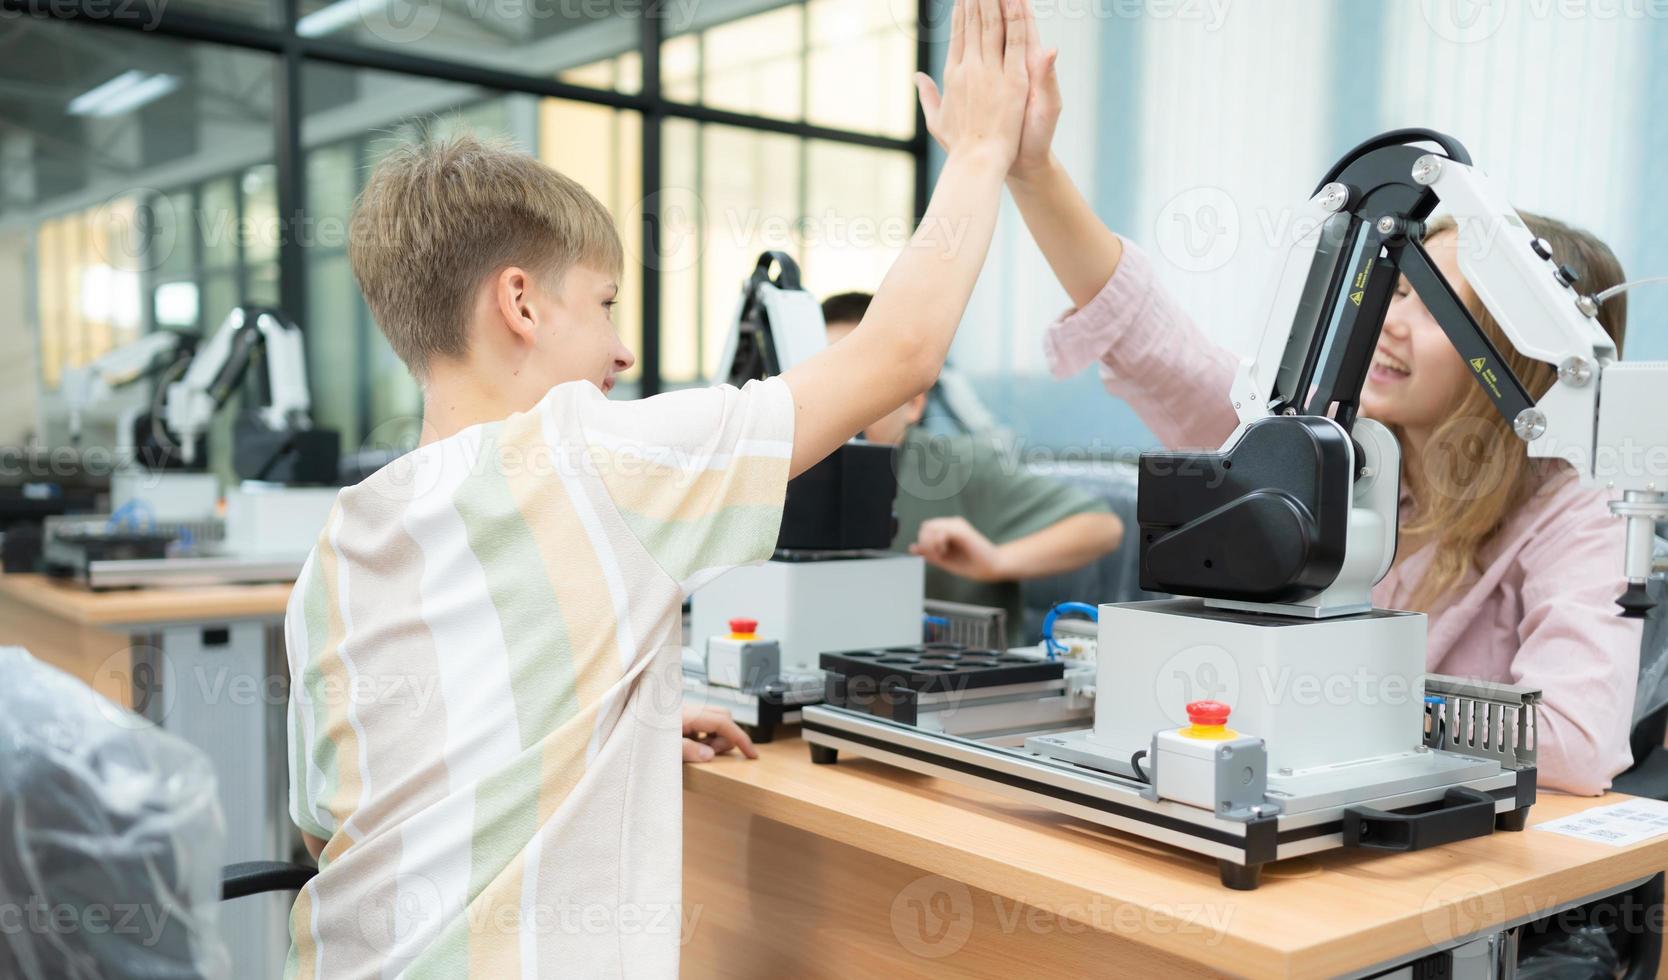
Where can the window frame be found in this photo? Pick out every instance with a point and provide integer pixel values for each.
(295, 51)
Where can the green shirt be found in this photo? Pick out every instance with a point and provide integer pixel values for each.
(970, 477)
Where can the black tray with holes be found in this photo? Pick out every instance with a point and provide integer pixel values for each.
(936, 667)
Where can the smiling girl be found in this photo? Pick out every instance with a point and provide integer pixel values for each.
(1515, 563)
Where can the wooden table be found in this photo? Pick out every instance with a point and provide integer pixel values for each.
(862, 869)
(90, 634)
(206, 664)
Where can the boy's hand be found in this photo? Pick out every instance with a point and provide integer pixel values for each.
(709, 732)
(986, 81)
(957, 547)
(1042, 104)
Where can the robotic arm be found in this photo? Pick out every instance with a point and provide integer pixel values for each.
(1297, 512)
(778, 324)
(844, 503)
(219, 368)
(93, 382)
(276, 441)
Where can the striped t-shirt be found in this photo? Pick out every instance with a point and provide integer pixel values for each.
(485, 708)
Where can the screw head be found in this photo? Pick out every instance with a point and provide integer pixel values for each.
(1575, 371)
(1588, 306)
(1426, 169)
(1529, 425)
(1386, 225)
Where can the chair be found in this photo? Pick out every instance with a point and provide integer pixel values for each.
(113, 826)
(1648, 776)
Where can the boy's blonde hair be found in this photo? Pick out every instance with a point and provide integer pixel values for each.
(438, 217)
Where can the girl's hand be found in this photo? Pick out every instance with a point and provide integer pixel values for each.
(986, 81)
(1042, 105)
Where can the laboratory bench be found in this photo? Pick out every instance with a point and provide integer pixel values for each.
(859, 868)
(863, 869)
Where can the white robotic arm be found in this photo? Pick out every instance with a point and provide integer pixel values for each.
(1607, 418)
(97, 380)
(1306, 523)
(777, 325)
(219, 367)
(844, 503)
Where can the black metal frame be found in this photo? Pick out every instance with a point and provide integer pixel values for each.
(293, 50)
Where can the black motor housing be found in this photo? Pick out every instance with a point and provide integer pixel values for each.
(1266, 520)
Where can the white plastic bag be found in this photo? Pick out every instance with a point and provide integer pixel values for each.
(111, 837)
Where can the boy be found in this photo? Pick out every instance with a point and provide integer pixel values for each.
(526, 564)
(982, 522)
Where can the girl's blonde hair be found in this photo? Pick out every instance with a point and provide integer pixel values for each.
(1476, 472)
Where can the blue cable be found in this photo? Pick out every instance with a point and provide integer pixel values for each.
(1082, 608)
(124, 516)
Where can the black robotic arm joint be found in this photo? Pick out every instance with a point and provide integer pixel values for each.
(1265, 520)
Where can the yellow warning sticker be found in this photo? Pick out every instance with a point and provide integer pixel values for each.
(1355, 297)
(1478, 362)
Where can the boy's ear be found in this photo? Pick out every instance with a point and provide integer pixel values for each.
(513, 295)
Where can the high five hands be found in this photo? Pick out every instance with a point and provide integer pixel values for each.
(986, 80)
(1041, 109)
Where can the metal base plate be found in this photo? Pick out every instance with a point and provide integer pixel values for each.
(1307, 790)
(177, 572)
(1116, 802)
(778, 706)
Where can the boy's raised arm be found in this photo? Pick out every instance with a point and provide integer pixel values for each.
(898, 349)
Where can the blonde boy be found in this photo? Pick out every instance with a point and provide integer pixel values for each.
(527, 562)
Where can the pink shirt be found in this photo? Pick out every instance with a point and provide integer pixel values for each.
(1541, 613)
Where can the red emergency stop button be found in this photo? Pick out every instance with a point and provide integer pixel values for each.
(743, 629)
(1207, 712)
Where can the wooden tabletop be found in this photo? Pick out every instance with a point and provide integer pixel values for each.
(133, 607)
(1318, 915)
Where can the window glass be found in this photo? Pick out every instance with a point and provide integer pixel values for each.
(543, 39)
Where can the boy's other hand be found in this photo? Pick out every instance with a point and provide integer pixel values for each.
(986, 81)
(957, 547)
(709, 732)
(1042, 103)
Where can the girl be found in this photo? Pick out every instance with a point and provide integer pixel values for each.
(1515, 563)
